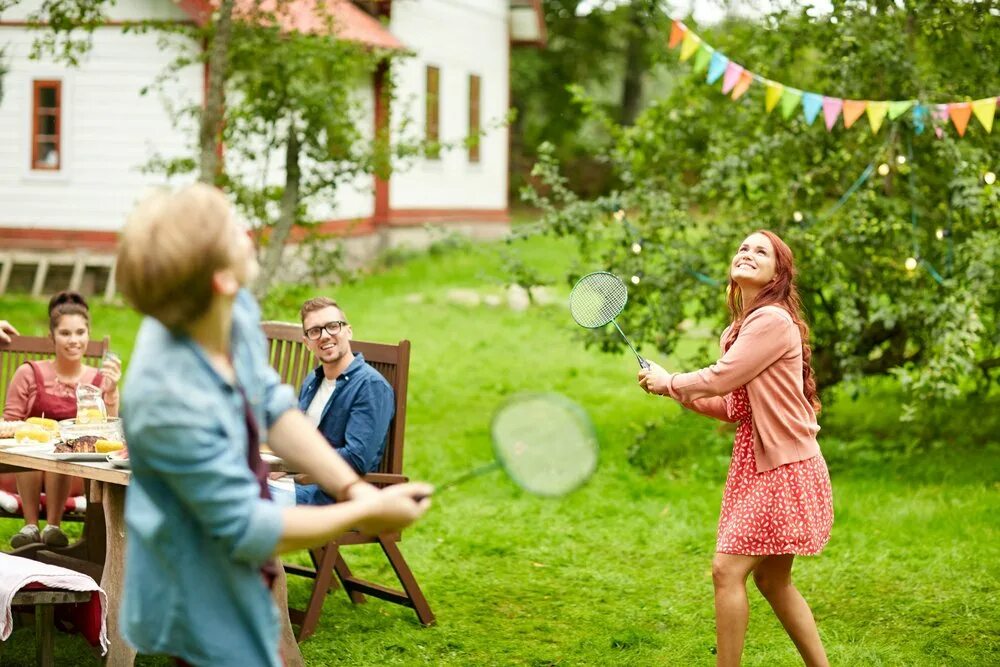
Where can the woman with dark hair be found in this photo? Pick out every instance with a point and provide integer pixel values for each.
(778, 501)
(48, 389)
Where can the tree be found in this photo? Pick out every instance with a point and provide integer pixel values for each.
(699, 172)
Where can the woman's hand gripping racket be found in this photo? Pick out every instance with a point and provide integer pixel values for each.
(597, 299)
(544, 442)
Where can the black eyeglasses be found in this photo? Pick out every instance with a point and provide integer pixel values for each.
(332, 328)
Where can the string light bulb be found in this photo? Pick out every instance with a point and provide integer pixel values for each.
(883, 169)
(911, 263)
(620, 215)
(939, 234)
(637, 247)
(636, 279)
(989, 178)
(900, 159)
(797, 216)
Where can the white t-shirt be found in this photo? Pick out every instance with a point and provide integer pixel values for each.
(323, 394)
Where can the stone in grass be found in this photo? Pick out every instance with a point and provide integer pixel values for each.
(414, 298)
(493, 300)
(541, 295)
(517, 298)
(463, 297)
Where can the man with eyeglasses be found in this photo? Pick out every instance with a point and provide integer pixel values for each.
(348, 400)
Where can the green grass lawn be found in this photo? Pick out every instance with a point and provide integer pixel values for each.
(619, 572)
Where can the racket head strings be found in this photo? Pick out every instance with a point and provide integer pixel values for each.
(545, 442)
(597, 298)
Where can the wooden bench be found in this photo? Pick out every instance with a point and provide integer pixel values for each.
(293, 361)
(44, 601)
(21, 349)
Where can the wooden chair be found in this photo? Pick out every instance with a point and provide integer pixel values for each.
(293, 361)
(34, 348)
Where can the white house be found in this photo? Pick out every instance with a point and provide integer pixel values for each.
(73, 139)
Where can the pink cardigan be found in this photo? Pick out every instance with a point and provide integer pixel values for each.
(767, 358)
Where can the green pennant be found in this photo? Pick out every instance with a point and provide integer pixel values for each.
(702, 57)
(789, 100)
(897, 109)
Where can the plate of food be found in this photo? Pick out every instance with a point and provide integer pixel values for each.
(86, 448)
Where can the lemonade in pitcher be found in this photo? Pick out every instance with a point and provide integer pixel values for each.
(90, 408)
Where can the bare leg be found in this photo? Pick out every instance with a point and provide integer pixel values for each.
(732, 611)
(56, 493)
(29, 487)
(773, 577)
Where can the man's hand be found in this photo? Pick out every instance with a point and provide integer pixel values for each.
(6, 331)
(654, 380)
(395, 507)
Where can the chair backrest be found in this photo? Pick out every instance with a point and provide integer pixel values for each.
(288, 355)
(32, 348)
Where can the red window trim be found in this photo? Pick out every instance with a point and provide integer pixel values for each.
(475, 121)
(36, 113)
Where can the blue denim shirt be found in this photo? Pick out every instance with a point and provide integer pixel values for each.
(198, 531)
(356, 418)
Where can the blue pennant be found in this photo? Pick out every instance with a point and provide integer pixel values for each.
(716, 67)
(811, 104)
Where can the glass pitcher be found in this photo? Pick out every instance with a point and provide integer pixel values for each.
(90, 408)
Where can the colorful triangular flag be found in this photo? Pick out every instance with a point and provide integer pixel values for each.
(702, 57)
(960, 113)
(743, 85)
(876, 114)
(897, 109)
(717, 67)
(789, 100)
(853, 110)
(831, 109)
(689, 45)
(811, 104)
(985, 110)
(677, 31)
(772, 95)
(920, 118)
(732, 77)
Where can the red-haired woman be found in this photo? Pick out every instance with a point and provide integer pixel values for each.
(778, 502)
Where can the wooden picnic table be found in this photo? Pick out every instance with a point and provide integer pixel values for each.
(100, 552)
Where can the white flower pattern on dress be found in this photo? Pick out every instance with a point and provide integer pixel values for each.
(787, 510)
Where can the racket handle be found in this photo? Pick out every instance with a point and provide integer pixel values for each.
(642, 363)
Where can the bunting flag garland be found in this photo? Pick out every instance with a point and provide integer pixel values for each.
(772, 95)
(876, 113)
(811, 104)
(702, 57)
(737, 80)
(831, 110)
(960, 114)
(717, 67)
(733, 73)
(789, 100)
(852, 111)
(985, 110)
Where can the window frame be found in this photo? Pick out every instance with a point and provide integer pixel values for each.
(37, 112)
(432, 111)
(475, 118)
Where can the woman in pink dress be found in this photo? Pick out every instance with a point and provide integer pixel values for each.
(48, 389)
(778, 501)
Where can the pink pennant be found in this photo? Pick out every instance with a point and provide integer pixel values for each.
(831, 109)
(731, 77)
(940, 113)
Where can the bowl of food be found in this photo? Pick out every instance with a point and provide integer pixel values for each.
(70, 429)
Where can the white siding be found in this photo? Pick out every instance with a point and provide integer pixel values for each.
(461, 37)
(109, 131)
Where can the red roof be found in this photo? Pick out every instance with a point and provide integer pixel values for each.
(349, 22)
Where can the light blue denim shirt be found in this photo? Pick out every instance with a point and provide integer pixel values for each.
(198, 531)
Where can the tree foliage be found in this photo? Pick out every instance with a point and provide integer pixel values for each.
(699, 172)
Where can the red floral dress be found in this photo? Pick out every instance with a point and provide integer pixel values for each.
(787, 510)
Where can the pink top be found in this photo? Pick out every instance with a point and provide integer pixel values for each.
(23, 390)
(767, 358)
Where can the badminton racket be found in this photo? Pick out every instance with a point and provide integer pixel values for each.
(596, 300)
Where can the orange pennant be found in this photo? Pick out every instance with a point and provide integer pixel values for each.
(743, 85)
(853, 110)
(676, 33)
(960, 113)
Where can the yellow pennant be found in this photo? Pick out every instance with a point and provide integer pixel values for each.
(772, 95)
(690, 45)
(876, 114)
(984, 110)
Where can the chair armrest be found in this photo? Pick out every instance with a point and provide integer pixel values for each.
(385, 479)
